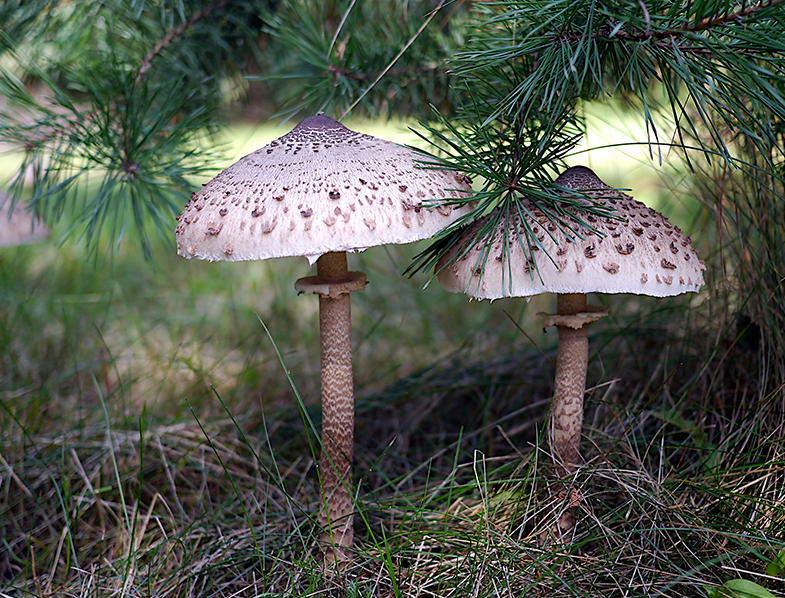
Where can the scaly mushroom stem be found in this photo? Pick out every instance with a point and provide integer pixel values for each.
(567, 409)
(571, 319)
(335, 463)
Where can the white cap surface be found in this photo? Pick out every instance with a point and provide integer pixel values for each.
(643, 254)
(20, 227)
(317, 189)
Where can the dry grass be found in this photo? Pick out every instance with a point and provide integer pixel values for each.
(138, 480)
(151, 443)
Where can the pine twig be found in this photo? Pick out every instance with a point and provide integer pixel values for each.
(394, 60)
(718, 21)
(173, 34)
(704, 25)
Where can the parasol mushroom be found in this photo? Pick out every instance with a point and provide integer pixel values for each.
(319, 191)
(643, 254)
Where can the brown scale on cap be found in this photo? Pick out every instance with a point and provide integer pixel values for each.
(311, 171)
(620, 243)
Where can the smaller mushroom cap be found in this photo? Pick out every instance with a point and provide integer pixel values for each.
(19, 227)
(317, 189)
(642, 254)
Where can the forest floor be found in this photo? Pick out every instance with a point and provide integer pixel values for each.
(156, 441)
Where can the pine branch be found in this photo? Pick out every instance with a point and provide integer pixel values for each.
(527, 65)
(704, 25)
(510, 158)
(666, 37)
(174, 34)
(374, 58)
(413, 72)
(124, 153)
(405, 47)
(722, 70)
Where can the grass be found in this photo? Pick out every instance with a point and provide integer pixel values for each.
(152, 443)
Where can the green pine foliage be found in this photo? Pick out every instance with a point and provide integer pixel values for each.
(709, 73)
(373, 58)
(132, 88)
(126, 94)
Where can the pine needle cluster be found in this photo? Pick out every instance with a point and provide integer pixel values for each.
(111, 103)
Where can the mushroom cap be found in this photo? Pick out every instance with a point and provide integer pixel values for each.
(317, 189)
(643, 254)
(19, 227)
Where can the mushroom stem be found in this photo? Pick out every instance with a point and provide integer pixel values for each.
(335, 463)
(571, 319)
(572, 357)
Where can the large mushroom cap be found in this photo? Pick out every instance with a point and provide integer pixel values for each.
(19, 227)
(317, 189)
(643, 254)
